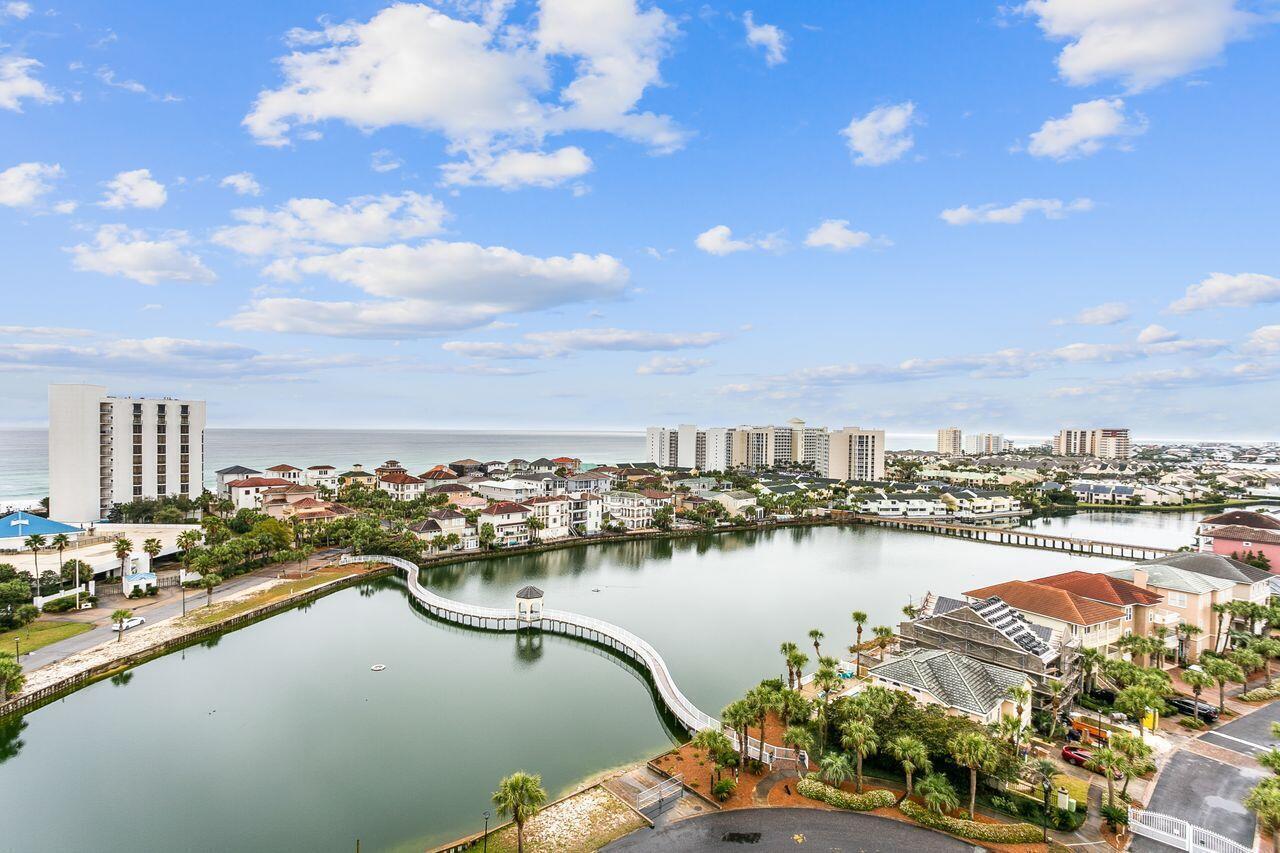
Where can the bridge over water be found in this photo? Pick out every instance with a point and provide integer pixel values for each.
(690, 717)
(1019, 538)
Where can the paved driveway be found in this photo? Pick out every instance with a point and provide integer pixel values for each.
(775, 830)
(1250, 734)
(1205, 792)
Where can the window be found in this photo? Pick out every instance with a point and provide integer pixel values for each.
(1128, 614)
(1177, 599)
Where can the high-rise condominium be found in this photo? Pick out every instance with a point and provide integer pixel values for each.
(949, 439)
(984, 444)
(112, 450)
(1105, 443)
(856, 454)
(724, 448)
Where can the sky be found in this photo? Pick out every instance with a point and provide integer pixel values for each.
(1008, 217)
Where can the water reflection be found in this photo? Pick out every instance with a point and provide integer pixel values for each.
(528, 647)
(10, 741)
(122, 679)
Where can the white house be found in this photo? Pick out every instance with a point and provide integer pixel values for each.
(227, 475)
(510, 522)
(287, 472)
(586, 513)
(247, 493)
(402, 486)
(323, 475)
(555, 512)
(912, 505)
(737, 502)
(515, 489)
(634, 510)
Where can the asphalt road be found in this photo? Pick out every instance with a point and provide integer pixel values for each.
(1206, 793)
(1250, 734)
(770, 830)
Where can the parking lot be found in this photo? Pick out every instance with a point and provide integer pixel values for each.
(1250, 735)
(1206, 793)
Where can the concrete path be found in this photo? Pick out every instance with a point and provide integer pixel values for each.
(787, 829)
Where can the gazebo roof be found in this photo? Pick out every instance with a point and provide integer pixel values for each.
(529, 592)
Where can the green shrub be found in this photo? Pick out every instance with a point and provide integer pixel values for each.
(1193, 723)
(1261, 694)
(995, 833)
(815, 790)
(724, 789)
(1116, 815)
(60, 605)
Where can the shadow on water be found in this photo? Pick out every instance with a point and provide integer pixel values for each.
(122, 679)
(10, 737)
(529, 648)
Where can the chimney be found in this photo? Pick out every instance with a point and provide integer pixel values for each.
(1139, 575)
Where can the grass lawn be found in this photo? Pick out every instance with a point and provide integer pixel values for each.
(1077, 789)
(41, 633)
(223, 611)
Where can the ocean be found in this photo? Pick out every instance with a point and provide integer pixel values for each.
(24, 456)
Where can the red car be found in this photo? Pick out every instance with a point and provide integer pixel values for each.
(1077, 755)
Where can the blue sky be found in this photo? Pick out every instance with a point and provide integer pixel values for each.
(603, 215)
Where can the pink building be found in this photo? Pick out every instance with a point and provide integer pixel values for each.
(1239, 533)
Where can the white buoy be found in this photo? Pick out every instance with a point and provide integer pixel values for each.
(378, 667)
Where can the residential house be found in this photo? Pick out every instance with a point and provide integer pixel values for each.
(1103, 493)
(514, 489)
(542, 466)
(247, 493)
(276, 500)
(510, 522)
(322, 475)
(974, 504)
(391, 466)
(227, 475)
(1228, 533)
(634, 510)
(1096, 624)
(402, 486)
(554, 513)
(444, 522)
(549, 483)
(514, 465)
(357, 476)
(311, 510)
(587, 481)
(439, 475)
(964, 686)
(287, 472)
(1141, 606)
(586, 513)
(915, 505)
(467, 466)
(569, 463)
(495, 466)
(737, 502)
(1189, 598)
(467, 501)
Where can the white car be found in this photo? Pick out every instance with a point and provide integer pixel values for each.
(131, 622)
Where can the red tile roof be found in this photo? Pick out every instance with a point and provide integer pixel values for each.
(440, 472)
(400, 478)
(283, 467)
(1101, 587)
(254, 482)
(1051, 602)
(504, 508)
(566, 460)
(1239, 533)
(1244, 518)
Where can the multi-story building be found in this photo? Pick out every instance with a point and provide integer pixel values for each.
(1105, 443)
(719, 443)
(402, 486)
(510, 522)
(984, 444)
(949, 441)
(856, 454)
(107, 450)
(1097, 624)
(634, 510)
(662, 446)
(724, 448)
(247, 493)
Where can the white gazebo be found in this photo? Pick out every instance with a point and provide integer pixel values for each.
(529, 605)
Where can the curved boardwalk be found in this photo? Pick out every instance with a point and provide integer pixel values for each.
(586, 628)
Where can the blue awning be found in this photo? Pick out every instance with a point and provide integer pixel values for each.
(25, 524)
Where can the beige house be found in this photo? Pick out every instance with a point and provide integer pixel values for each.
(1095, 624)
(965, 686)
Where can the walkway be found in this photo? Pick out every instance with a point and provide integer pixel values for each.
(1019, 538)
(789, 829)
(585, 628)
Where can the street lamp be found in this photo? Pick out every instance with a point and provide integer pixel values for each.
(1047, 786)
(486, 831)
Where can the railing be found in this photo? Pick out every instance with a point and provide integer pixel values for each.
(657, 793)
(585, 627)
(1180, 834)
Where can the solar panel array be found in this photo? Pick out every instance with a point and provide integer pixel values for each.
(1012, 624)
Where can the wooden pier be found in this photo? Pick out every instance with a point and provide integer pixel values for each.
(1020, 538)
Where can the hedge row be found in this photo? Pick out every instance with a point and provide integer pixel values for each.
(813, 789)
(996, 833)
(1261, 694)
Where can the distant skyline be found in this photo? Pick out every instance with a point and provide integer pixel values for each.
(506, 214)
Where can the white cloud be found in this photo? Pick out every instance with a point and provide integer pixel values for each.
(44, 332)
(1106, 314)
(537, 345)
(117, 250)
(1156, 334)
(108, 76)
(882, 135)
(835, 234)
(1141, 42)
(16, 9)
(65, 207)
(384, 160)
(487, 86)
(23, 184)
(1051, 208)
(514, 169)
(1264, 340)
(434, 287)
(17, 82)
(1085, 130)
(311, 224)
(718, 240)
(768, 37)
(244, 183)
(134, 189)
(1222, 290)
(669, 366)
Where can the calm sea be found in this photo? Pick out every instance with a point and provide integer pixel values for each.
(24, 457)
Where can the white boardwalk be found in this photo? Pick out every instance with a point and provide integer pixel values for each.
(586, 628)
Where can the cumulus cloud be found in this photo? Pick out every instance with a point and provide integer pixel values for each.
(487, 86)
(18, 81)
(1155, 334)
(1264, 340)
(1106, 314)
(134, 189)
(768, 37)
(1222, 290)
(718, 240)
(117, 250)
(306, 225)
(515, 169)
(1012, 214)
(1140, 42)
(1086, 130)
(835, 234)
(244, 183)
(882, 135)
(431, 288)
(671, 366)
(23, 185)
(16, 9)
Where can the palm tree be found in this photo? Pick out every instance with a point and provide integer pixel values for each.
(1055, 689)
(937, 793)
(209, 580)
(1269, 649)
(1090, 660)
(718, 748)
(835, 769)
(152, 547)
(520, 795)
(34, 543)
(1197, 681)
(1020, 694)
(1264, 801)
(1137, 754)
(787, 650)
(816, 636)
(1110, 763)
(974, 750)
(911, 753)
(1221, 671)
(763, 700)
(123, 548)
(738, 716)
(536, 524)
(1220, 610)
(1248, 660)
(859, 619)
(798, 738)
(1185, 634)
(884, 639)
(118, 617)
(61, 541)
(798, 660)
(1135, 701)
(860, 738)
(11, 677)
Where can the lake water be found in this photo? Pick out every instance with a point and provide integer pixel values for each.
(1150, 527)
(281, 738)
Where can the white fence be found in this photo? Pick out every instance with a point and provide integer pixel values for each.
(1180, 834)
